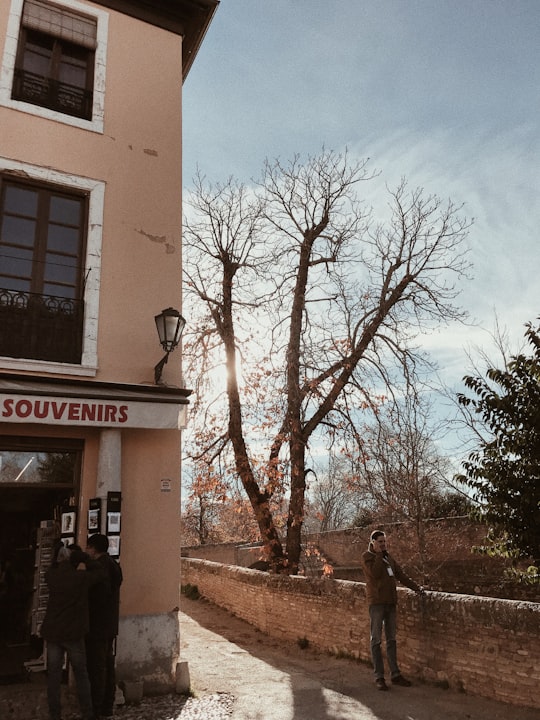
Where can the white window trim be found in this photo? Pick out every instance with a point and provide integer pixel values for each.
(7, 70)
(92, 268)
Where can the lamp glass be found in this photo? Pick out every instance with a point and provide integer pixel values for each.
(169, 324)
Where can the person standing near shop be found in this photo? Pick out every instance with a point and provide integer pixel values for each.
(104, 608)
(381, 572)
(65, 625)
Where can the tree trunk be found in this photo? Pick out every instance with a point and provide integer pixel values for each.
(259, 500)
(296, 504)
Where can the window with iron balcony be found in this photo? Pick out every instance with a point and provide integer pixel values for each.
(42, 244)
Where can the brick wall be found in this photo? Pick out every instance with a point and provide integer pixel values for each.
(449, 564)
(222, 552)
(229, 553)
(484, 646)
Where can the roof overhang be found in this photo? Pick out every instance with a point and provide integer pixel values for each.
(189, 18)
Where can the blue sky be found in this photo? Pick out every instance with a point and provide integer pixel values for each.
(444, 92)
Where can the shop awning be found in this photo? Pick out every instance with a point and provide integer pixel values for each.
(55, 401)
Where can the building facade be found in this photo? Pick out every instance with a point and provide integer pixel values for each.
(90, 253)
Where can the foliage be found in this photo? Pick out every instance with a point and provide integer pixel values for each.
(312, 307)
(504, 472)
(57, 467)
(450, 504)
(214, 512)
(528, 576)
(190, 591)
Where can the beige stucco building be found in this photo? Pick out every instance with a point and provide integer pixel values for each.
(90, 252)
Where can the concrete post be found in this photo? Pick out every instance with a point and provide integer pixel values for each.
(109, 469)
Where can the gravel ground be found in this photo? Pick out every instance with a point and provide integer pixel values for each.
(29, 702)
(217, 706)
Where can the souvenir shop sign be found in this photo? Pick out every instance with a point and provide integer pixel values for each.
(90, 412)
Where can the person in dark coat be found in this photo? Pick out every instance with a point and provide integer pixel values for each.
(381, 572)
(65, 625)
(104, 608)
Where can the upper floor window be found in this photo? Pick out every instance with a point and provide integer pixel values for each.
(54, 66)
(42, 247)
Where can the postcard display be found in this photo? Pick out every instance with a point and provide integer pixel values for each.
(47, 534)
(113, 520)
(114, 516)
(46, 538)
(68, 522)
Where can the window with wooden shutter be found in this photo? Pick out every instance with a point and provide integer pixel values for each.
(55, 59)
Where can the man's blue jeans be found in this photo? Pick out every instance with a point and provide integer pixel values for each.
(383, 615)
(77, 658)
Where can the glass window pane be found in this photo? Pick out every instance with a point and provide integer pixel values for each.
(63, 239)
(61, 291)
(72, 72)
(65, 210)
(60, 268)
(25, 468)
(18, 231)
(16, 284)
(21, 201)
(37, 59)
(15, 261)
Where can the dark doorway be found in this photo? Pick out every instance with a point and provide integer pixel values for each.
(35, 485)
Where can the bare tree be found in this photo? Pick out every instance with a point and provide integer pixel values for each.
(334, 499)
(300, 286)
(400, 468)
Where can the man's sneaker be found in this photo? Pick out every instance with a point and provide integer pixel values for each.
(400, 680)
(381, 685)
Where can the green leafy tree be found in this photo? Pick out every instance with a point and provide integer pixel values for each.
(504, 472)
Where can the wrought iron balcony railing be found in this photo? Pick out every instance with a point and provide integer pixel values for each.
(43, 91)
(40, 327)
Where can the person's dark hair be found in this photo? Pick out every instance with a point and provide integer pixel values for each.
(376, 534)
(99, 542)
(77, 555)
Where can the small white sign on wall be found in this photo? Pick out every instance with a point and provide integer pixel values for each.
(165, 485)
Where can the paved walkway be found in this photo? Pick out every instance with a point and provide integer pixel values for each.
(274, 680)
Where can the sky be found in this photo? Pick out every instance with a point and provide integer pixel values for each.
(443, 92)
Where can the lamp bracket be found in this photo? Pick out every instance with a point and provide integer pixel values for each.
(158, 370)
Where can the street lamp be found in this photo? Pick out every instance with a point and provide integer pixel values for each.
(169, 324)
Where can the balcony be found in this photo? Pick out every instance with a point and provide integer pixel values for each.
(40, 327)
(43, 91)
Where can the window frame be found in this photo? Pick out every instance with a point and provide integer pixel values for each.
(91, 265)
(43, 286)
(40, 248)
(9, 61)
(52, 80)
(11, 443)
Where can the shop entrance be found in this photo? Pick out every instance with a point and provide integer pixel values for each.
(38, 479)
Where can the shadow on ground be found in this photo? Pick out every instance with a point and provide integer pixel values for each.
(276, 680)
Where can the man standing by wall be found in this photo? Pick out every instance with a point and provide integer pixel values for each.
(104, 604)
(381, 571)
